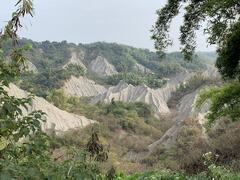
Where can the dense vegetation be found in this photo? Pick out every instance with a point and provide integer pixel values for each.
(50, 58)
(43, 82)
(225, 102)
(125, 57)
(136, 79)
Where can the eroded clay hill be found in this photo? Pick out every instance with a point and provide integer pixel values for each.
(31, 67)
(157, 98)
(83, 87)
(185, 110)
(76, 58)
(56, 118)
(102, 67)
(142, 69)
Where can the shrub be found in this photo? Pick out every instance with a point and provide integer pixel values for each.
(225, 102)
(136, 79)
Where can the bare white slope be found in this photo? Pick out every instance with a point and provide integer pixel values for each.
(58, 119)
(211, 72)
(102, 67)
(129, 93)
(31, 67)
(142, 69)
(83, 87)
(76, 58)
(157, 98)
(185, 110)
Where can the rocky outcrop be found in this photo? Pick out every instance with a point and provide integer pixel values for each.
(56, 119)
(83, 87)
(31, 67)
(157, 98)
(129, 93)
(142, 69)
(76, 58)
(102, 67)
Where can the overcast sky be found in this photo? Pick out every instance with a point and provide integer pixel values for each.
(85, 21)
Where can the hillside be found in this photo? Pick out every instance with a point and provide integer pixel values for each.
(109, 111)
(105, 63)
(57, 120)
(83, 87)
(89, 70)
(139, 101)
(157, 98)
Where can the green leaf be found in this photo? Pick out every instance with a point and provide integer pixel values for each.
(3, 143)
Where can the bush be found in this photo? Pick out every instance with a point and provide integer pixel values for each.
(76, 70)
(59, 98)
(225, 102)
(136, 79)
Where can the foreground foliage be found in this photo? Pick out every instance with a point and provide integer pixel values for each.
(25, 151)
(222, 19)
(225, 102)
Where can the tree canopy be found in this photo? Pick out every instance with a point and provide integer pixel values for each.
(223, 30)
(220, 15)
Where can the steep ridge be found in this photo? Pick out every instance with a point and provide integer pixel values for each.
(102, 67)
(31, 67)
(157, 98)
(185, 110)
(142, 69)
(83, 87)
(129, 93)
(76, 58)
(56, 119)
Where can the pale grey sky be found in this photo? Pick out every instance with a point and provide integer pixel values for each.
(86, 21)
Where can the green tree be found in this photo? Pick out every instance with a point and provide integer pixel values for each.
(220, 15)
(229, 54)
(59, 98)
(223, 29)
(225, 102)
(14, 125)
